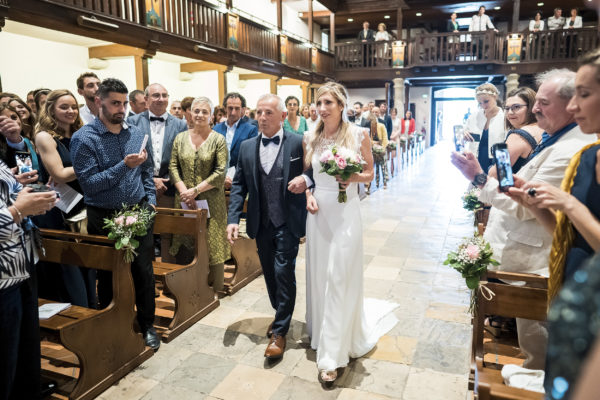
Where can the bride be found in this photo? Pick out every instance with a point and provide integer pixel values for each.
(341, 325)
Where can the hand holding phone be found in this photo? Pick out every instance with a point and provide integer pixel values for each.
(503, 166)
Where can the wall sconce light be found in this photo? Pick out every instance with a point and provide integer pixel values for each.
(267, 63)
(199, 47)
(94, 23)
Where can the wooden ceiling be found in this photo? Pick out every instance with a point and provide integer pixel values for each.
(435, 13)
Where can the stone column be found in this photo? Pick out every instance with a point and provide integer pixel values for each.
(512, 82)
(399, 95)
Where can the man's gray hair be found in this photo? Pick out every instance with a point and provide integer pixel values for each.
(271, 96)
(147, 90)
(203, 100)
(565, 78)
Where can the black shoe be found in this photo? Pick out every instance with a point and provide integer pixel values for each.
(151, 338)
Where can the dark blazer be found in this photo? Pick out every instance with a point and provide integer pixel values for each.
(387, 121)
(364, 122)
(242, 132)
(370, 35)
(247, 178)
(173, 126)
(450, 26)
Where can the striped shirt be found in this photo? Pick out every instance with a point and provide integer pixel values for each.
(13, 260)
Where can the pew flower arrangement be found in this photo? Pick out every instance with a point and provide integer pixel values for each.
(471, 200)
(472, 259)
(378, 150)
(125, 225)
(392, 146)
(343, 162)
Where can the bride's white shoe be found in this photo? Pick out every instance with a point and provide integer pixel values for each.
(327, 376)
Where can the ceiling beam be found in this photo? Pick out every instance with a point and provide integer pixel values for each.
(316, 14)
(115, 50)
(248, 77)
(201, 66)
(331, 5)
(285, 82)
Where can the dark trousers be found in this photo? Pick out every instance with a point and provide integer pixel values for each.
(277, 250)
(141, 270)
(20, 366)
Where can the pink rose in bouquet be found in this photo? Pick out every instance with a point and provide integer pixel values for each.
(472, 251)
(120, 220)
(342, 162)
(326, 156)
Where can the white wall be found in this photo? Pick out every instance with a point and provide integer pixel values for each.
(263, 9)
(284, 91)
(422, 108)
(366, 95)
(252, 89)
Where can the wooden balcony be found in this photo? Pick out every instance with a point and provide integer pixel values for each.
(467, 53)
(184, 25)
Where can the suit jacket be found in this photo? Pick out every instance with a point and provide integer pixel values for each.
(519, 242)
(370, 37)
(387, 121)
(242, 132)
(450, 26)
(173, 126)
(247, 180)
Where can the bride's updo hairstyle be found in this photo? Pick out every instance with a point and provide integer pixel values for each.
(344, 137)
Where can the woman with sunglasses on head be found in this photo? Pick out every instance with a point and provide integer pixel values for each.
(27, 116)
(14, 143)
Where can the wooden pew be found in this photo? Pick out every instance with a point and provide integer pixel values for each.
(104, 343)
(529, 302)
(187, 285)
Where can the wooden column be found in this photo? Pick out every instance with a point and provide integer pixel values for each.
(332, 32)
(279, 16)
(142, 78)
(310, 20)
(304, 87)
(273, 86)
(229, 3)
(516, 12)
(399, 23)
(222, 84)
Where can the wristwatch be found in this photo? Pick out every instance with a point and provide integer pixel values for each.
(480, 179)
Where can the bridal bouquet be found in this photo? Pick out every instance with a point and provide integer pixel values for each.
(343, 162)
(471, 260)
(471, 200)
(125, 225)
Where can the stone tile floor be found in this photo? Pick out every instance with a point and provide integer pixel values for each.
(408, 230)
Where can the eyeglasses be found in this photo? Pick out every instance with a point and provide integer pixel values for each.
(157, 96)
(514, 108)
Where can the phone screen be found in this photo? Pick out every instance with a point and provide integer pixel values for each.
(23, 161)
(505, 174)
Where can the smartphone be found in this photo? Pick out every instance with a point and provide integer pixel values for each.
(459, 138)
(502, 159)
(23, 160)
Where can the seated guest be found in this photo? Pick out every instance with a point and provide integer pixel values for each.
(186, 104)
(87, 86)
(294, 122)
(112, 172)
(20, 367)
(137, 103)
(40, 98)
(176, 109)
(536, 24)
(198, 164)
(574, 21)
(234, 130)
(27, 116)
(58, 120)
(11, 127)
(557, 21)
(519, 242)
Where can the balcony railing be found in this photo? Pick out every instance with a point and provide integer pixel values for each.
(441, 49)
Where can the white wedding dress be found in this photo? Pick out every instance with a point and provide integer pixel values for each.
(340, 323)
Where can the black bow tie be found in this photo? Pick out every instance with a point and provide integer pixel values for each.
(266, 141)
(161, 119)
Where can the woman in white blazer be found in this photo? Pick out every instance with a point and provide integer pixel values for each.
(574, 21)
(537, 23)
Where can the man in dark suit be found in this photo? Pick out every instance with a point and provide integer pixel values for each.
(137, 103)
(385, 119)
(359, 118)
(366, 36)
(269, 171)
(234, 129)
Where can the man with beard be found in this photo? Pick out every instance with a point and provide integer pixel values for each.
(114, 170)
(87, 86)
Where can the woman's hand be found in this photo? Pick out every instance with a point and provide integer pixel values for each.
(188, 196)
(543, 195)
(311, 203)
(29, 202)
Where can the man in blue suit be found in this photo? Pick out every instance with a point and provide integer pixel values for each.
(234, 129)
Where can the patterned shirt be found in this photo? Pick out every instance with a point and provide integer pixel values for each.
(98, 159)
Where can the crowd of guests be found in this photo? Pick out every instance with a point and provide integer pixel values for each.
(548, 223)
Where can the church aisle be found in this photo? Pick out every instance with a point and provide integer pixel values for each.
(408, 230)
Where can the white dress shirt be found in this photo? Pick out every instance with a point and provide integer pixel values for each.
(268, 153)
(480, 23)
(231, 133)
(157, 134)
(555, 23)
(86, 115)
(311, 125)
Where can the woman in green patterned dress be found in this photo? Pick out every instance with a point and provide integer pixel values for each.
(198, 164)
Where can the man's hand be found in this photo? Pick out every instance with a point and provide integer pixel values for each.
(25, 177)
(233, 231)
(135, 160)
(10, 128)
(227, 183)
(159, 184)
(467, 164)
(297, 185)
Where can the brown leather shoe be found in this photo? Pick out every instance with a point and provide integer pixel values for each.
(270, 329)
(276, 347)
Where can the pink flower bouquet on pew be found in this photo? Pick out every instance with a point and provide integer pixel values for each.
(125, 225)
(343, 162)
(472, 259)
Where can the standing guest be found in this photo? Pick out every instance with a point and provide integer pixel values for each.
(31, 101)
(20, 367)
(481, 22)
(408, 126)
(234, 130)
(313, 118)
(219, 115)
(112, 172)
(452, 25)
(366, 35)
(26, 114)
(247, 118)
(382, 35)
(186, 105)
(87, 86)
(574, 21)
(197, 167)
(40, 98)
(379, 136)
(486, 125)
(385, 119)
(395, 136)
(557, 21)
(11, 127)
(176, 109)
(294, 122)
(137, 103)
(360, 118)
(536, 24)
(305, 111)
(268, 174)
(58, 120)
(5, 97)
